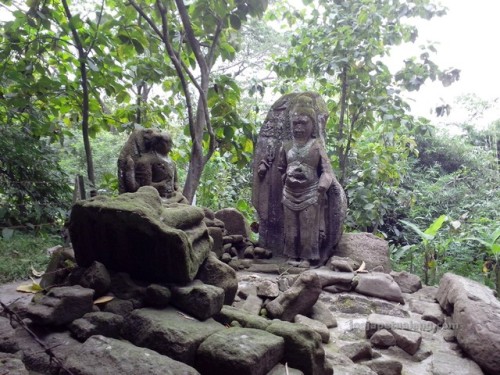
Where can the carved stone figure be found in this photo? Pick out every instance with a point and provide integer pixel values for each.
(268, 184)
(144, 161)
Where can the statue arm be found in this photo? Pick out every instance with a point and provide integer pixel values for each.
(326, 172)
(282, 164)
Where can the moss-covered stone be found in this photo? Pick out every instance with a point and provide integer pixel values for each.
(135, 233)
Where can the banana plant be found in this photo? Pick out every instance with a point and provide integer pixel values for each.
(427, 236)
(491, 242)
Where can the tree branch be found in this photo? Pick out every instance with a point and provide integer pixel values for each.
(146, 17)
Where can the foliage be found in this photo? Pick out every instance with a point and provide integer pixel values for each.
(34, 191)
(23, 253)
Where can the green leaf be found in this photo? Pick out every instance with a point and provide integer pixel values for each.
(417, 230)
(436, 225)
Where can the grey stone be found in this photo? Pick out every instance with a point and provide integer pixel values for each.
(445, 363)
(338, 288)
(104, 355)
(97, 323)
(357, 351)
(342, 264)
(119, 306)
(57, 270)
(303, 349)
(136, 234)
(321, 313)
(376, 322)
(316, 326)
(234, 222)
(408, 282)
(230, 314)
(216, 234)
(407, 340)
(122, 286)
(353, 303)
(476, 318)
(200, 300)
(244, 351)
(96, 277)
(281, 369)
(157, 296)
(365, 247)
(298, 299)
(328, 277)
(268, 289)
(11, 364)
(252, 305)
(383, 366)
(168, 332)
(61, 305)
(217, 273)
(383, 339)
(433, 313)
(379, 285)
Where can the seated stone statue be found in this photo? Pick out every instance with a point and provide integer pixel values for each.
(307, 175)
(144, 161)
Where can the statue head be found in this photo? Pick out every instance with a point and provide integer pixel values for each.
(161, 142)
(303, 118)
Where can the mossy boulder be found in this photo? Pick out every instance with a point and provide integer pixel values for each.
(137, 234)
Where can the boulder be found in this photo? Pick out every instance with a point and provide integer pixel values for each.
(168, 332)
(268, 289)
(97, 323)
(321, 313)
(234, 222)
(298, 299)
(119, 306)
(104, 355)
(328, 277)
(244, 351)
(200, 300)
(316, 326)
(217, 273)
(383, 339)
(303, 349)
(230, 314)
(57, 270)
(378, 284)
(61, 305)
(96, 277)
(365, 247)
(157, 296)
(252, 305)
(384, 366)
(357, 351)
(445, 363)
(476, 318)
(352, 303)
(12, 364)
(134, 233)
(408, 282)
(407, 340)
(376, 322)
(342, 264)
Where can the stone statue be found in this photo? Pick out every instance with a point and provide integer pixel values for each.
(268, 187)
(144, 161)
(307, 175)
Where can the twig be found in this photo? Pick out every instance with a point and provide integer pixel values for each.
(46, 349)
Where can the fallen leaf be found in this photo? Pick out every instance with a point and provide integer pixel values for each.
(103, 299)
(34, 287)
(36, 273)
(362, 267)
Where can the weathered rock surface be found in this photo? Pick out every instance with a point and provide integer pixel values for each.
(407, 340)
(12, 364)
(298, 299)
(169, 332)
(476, 318)
(321, 313)
(214, 272)
(383, 366)
(229, 314)
(357, 351)
(244, 351)
(376, 322)
(445, 363)
(134, 233)
(380, 285)
(199, 300)
(97, 323)
(303, 348)
(365, 247)
(318, 327)
(104, 355)
(408, 282)
(157, 296)
(234, 222)
(96, 277)
(383, 339)
(61, 305)
(357, 304)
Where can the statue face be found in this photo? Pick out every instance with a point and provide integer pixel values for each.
(163, 145)
(302, 127)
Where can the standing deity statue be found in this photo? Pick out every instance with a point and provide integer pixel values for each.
(144, 161)
(285, 193)
(307, 175)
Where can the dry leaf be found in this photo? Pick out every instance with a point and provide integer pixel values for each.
(36, 273)
(103, 299)
(362, 267)
(34, 287)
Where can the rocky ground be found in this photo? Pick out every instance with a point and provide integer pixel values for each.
(361, 334)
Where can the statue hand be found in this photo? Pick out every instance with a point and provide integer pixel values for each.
(262, 170)
(130, 163)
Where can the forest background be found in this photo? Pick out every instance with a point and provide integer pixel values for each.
(78, 77)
